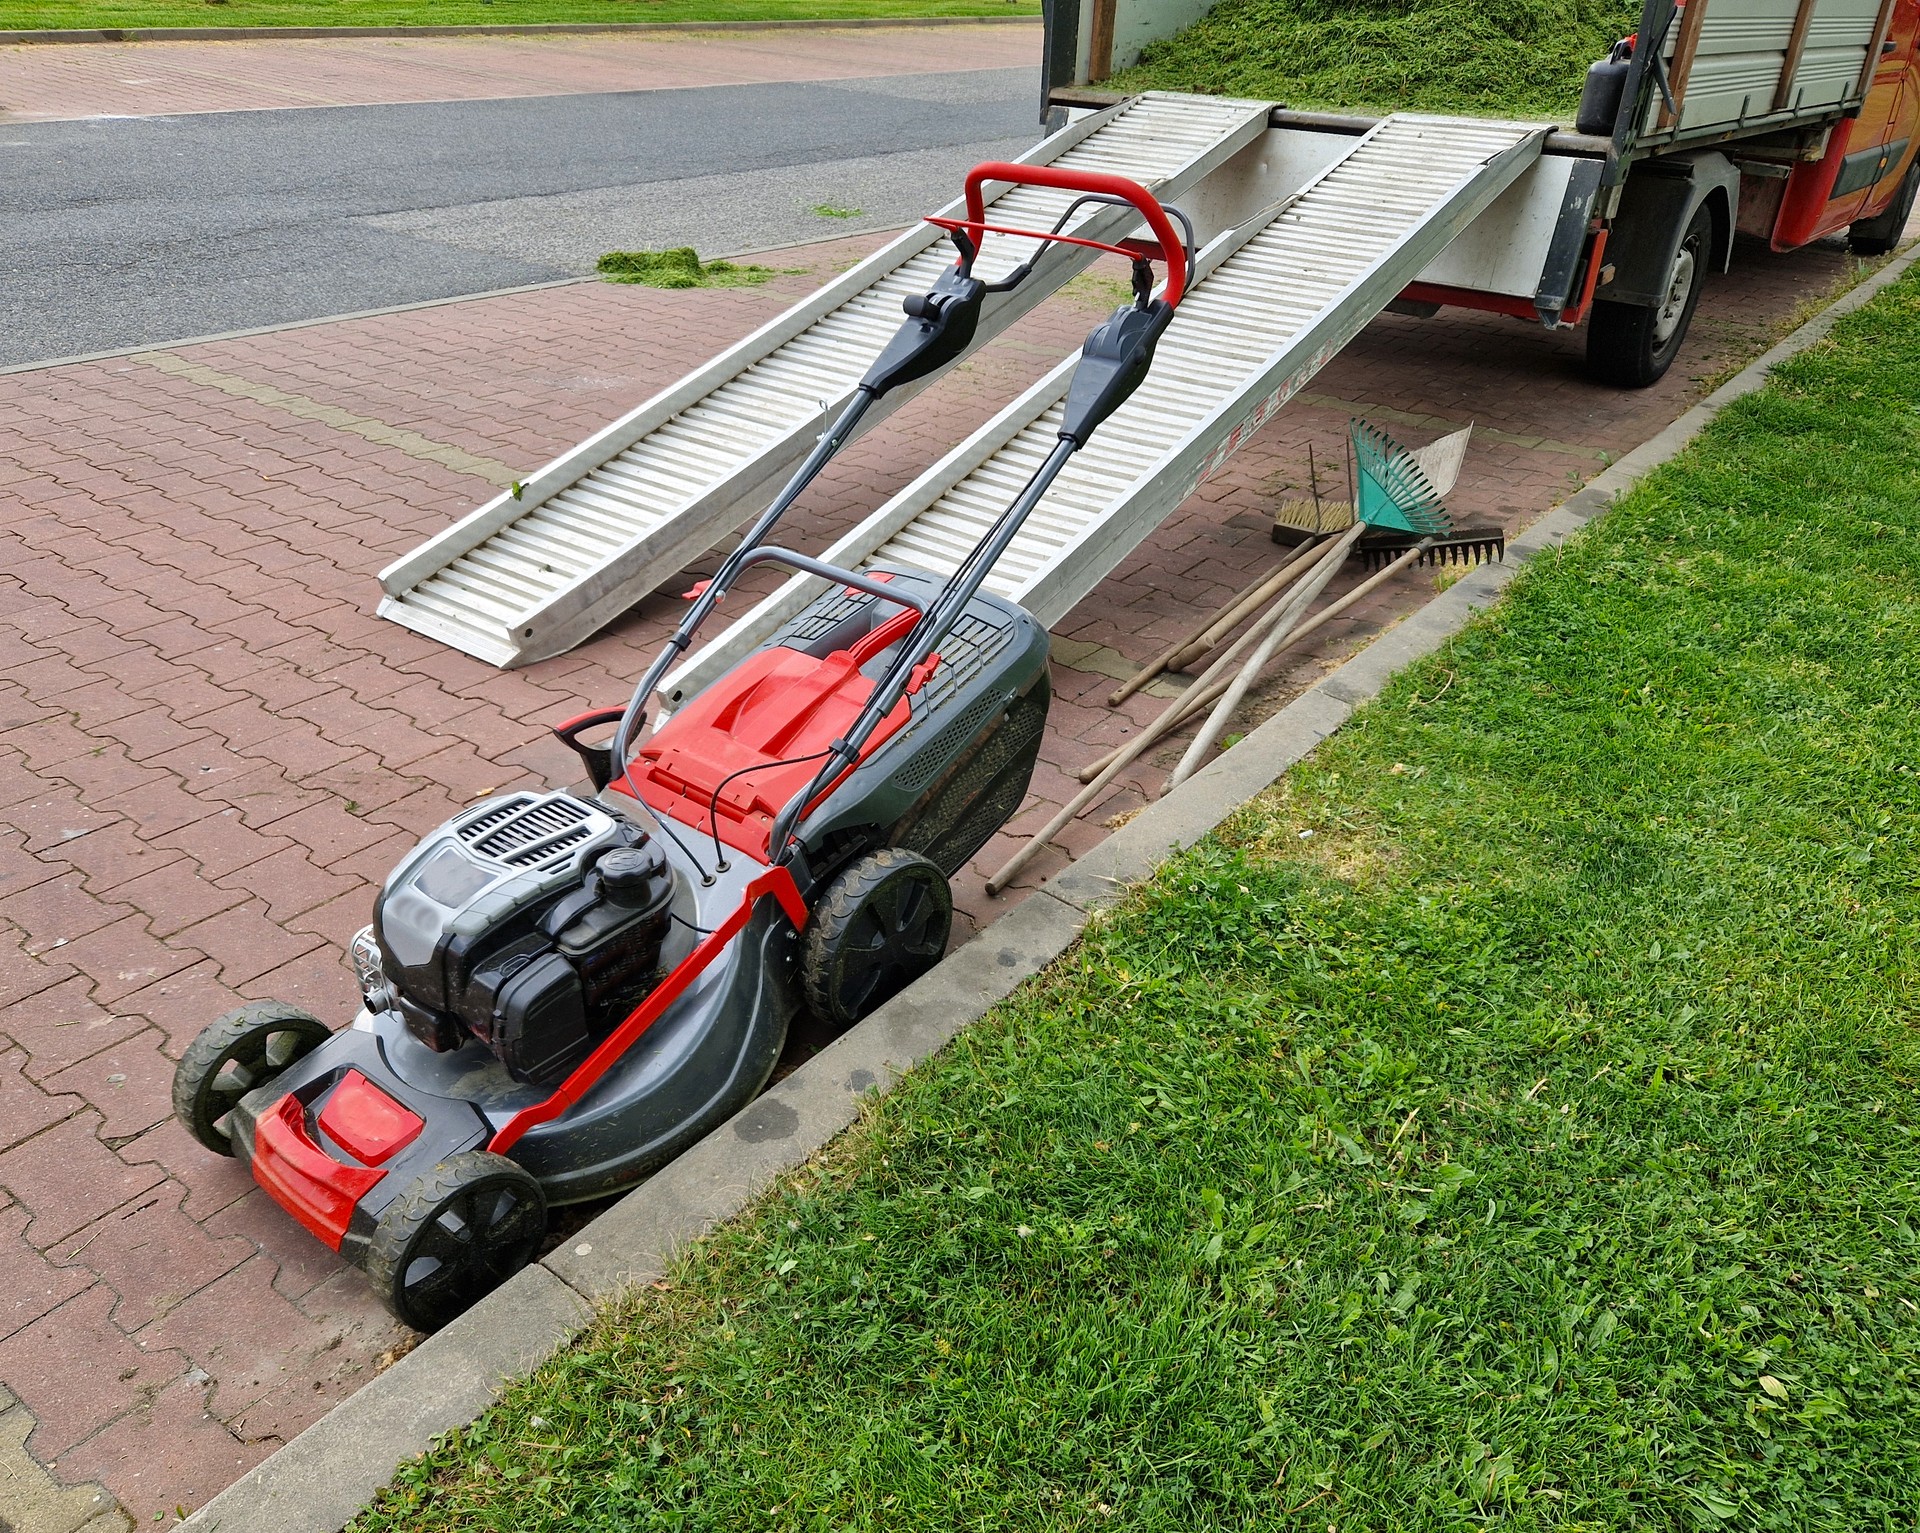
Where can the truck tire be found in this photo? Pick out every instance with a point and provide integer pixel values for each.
(1878, 236)
(1631, 345)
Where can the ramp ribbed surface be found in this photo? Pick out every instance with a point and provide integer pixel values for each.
(598, 529)
(1264, 317)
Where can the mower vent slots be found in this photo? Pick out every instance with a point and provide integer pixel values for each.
(995, 773)
(932, 761)
(968, 648)
(821, 619)
(534, 831)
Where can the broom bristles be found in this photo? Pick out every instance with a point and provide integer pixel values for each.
(1304, 516)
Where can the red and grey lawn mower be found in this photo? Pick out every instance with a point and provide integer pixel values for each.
(562, 992)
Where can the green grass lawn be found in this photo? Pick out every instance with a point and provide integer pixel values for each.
(1525, 58)
(42, 14)
(1509, 1121)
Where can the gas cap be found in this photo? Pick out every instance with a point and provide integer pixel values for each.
(631, 875)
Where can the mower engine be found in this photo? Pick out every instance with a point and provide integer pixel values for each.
(534, 922)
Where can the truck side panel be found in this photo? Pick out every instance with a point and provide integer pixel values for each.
(1726, 63)
(1868, 157)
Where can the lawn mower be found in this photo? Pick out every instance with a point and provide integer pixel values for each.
(562, 991)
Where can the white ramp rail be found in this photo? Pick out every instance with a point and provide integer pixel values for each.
(1275, 300)
(533, 573)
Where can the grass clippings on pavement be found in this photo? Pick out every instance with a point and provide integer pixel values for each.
(1519, 58)
(50, 15)
(679, 267)
(1511, 1119)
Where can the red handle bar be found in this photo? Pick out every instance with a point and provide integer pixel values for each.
(1087, 181)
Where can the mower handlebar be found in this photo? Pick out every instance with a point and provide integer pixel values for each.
(1096, 181)
(854, 579)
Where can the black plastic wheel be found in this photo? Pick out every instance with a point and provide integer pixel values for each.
(459, 1232)
(1878, 236)
(243, 1050)
(1632, 346)
(881, 925)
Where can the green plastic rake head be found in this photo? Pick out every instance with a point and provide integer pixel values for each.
(1391, 490)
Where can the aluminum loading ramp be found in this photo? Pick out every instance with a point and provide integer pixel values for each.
(1275, 299)
(530, 576)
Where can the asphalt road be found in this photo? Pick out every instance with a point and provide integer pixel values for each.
(119, 232)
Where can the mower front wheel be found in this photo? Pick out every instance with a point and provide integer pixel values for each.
(243, 1050)
(881, 924)
(459, 1232)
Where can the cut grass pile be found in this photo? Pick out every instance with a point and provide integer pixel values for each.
(41, 15)
(679, 267)
(1511, 1120)
(1520, 58)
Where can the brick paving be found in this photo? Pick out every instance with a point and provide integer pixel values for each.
(41, 82)
(211, 750)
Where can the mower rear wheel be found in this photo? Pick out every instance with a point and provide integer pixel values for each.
(881, 925)
(242, 1051)
(459, 1232)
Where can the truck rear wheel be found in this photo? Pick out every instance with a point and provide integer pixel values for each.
(1878, 236)
(1630, 345)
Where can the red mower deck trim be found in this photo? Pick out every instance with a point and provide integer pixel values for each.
(777, 882)
(304, 1179)
(367, 1123)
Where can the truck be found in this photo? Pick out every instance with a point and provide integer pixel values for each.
(1788, 121)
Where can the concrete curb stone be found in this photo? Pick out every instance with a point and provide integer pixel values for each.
(531, 29)
(635, 1240)
(319, 1481)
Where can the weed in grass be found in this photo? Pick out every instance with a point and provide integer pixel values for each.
(1513, 1118)
(1516, 57)
(676, 268)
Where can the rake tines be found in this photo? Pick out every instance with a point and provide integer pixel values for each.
(1465, 545)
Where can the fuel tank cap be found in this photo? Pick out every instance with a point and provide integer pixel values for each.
(632, 875)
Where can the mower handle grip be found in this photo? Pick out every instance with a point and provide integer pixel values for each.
(597, 759)
(1096, 181)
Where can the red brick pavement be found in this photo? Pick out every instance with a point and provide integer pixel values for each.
(39, 82)
(211, 750)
